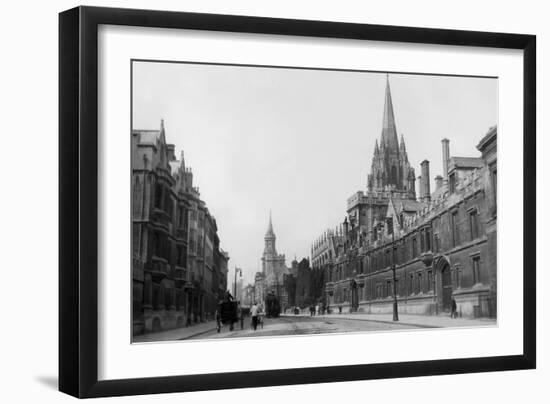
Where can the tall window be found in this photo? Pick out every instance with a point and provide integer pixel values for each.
(476, 261)
(182, 217)
(414, 247)
(156, 244)
(411, 284)
(388, 288)
(474, 224)
(454, 228)
(430, 280)
(420, 285)
(428, 239)
(452, 183)
(436, 242)
(158, 196)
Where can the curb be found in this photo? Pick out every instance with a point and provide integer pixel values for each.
(197, 334)
(384, 322)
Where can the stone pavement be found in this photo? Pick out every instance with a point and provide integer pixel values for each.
(177, 333)
(414, 320)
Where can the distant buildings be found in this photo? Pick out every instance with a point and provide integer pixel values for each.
(248, 295)
(443, 243)
(179, 270)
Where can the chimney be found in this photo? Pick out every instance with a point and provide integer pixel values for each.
(425, 167)
(445, 146)
(438, 182)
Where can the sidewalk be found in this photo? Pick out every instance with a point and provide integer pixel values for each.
(177, 333)
(413, 320)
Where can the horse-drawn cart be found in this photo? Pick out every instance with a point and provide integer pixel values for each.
(228, 313)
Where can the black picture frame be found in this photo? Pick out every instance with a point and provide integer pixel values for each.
(78, 200)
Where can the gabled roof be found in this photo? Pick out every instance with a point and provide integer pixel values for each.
(408, 205)
(147, 136)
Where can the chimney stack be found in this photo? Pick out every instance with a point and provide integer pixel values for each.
(438, 182)
(445, 146)
(425, 181)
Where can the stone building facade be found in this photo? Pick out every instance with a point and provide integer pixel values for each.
(178, 268)
(442, 244)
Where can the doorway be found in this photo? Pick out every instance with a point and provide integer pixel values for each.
(446, 287)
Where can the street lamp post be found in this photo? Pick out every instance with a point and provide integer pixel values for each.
(237, 270)
(390, 228)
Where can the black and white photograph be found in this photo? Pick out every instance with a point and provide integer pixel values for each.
(269, 201)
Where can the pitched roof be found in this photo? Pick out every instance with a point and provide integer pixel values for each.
(408, 205)
(147, 136)
(465, 162)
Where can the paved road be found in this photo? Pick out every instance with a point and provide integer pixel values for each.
(296, 325)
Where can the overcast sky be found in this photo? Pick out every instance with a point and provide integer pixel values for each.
(298, 142)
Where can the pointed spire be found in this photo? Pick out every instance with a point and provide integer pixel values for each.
(376, 149)
(270, 232)
(389, 132)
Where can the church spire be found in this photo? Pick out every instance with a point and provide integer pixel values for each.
(389, 132)
(270, 232)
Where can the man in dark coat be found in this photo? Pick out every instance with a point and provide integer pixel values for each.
(454, 313)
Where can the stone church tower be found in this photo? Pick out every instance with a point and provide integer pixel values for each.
(390, 169)
(273, 265)
(391, 177)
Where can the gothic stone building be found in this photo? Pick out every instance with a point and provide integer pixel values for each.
(443, 244)
(178, 267)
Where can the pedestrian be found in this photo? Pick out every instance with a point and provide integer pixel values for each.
(340, 309)
(218, 318)
(454, 313)
(317, 309)
(241, 315)
(328, 308)
(254, 313)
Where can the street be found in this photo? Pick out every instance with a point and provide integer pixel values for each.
(297, 325)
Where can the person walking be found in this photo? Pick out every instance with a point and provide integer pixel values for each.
(454, 313)
(254, 313)
(241, 315)
(218, 318)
